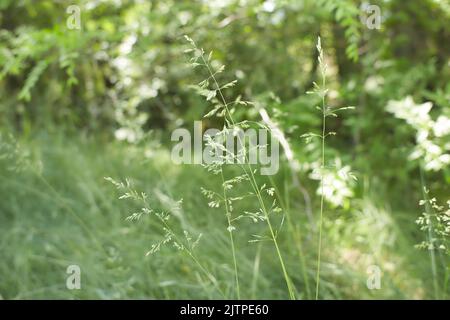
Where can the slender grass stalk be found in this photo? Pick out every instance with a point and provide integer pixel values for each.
(248, 171)
(194, 258)
(321, 211)
(326, 111)
(323, 136)
(430, 235)
(288, 152)
(296, 235)
(274, 238)
(130, 193)
(230, 232)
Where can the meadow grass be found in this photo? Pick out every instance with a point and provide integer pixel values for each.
(71, 215)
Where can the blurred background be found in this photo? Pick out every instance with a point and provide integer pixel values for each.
(93, 89)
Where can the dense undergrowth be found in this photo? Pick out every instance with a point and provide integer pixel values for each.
(59, 210)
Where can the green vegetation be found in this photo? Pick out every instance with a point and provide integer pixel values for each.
(87, 176)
